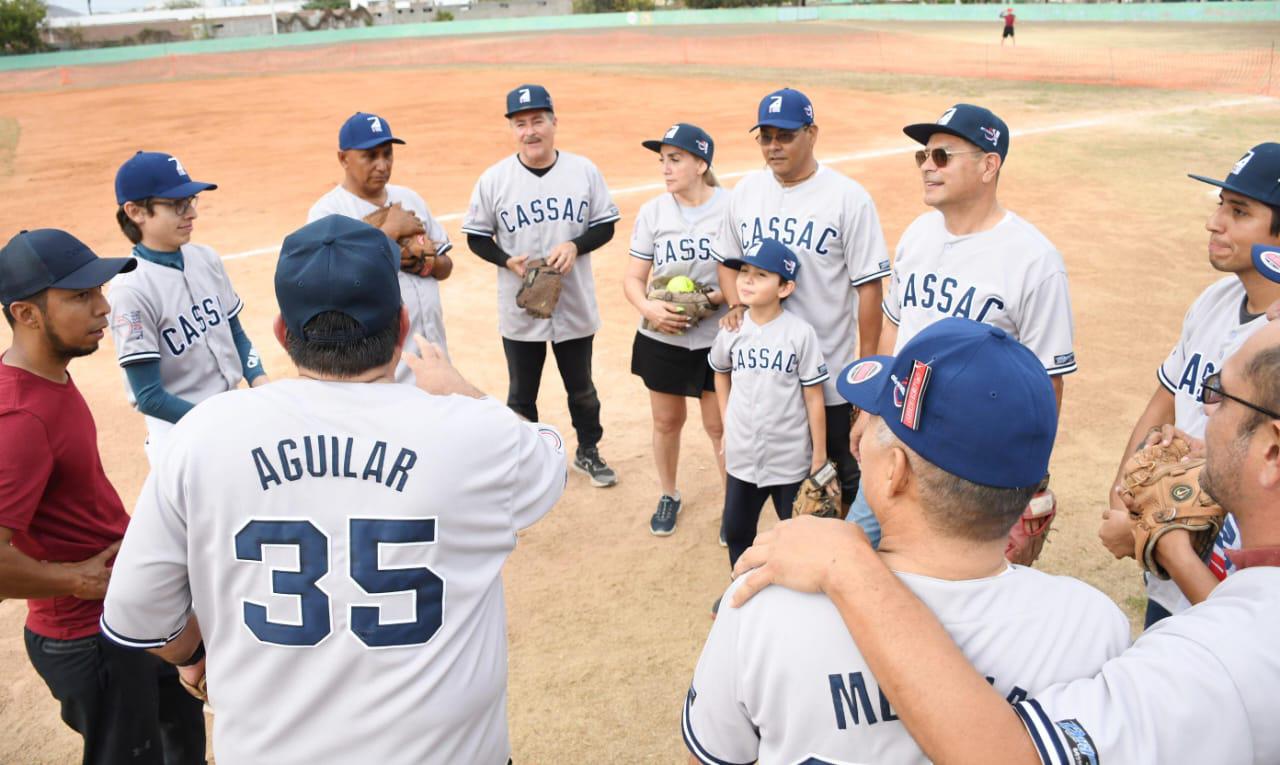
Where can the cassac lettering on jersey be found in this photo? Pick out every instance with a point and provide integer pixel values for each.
(538, 211)
(293, 459)
(800, 235)
(682, 250)
(947, 297)
(191, 325)
(764, 357)
(851, 700)
(1194, 374)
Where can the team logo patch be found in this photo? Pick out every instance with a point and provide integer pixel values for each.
(131, 323)
(946, 116)
(808, 111)
(375, 125)
(789, 265)
(991, 134)
(883, 265)
(702, 145)
(899, 392)
(1081, 745)
(1267, 260)
(1180, 492)
(913, 401)
(1240, 163)
(863, 371)
(177, 167)
(553, 437)
(524, 96)
(775, 104)
(671, 133)
(1066, 358)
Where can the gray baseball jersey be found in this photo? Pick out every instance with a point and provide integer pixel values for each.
(766, 427)
(681, 241)
(755, 697)
(180, 318)
(342, 548)
(420, 294)
(831, 224)
(530, 215)
(1009, 276)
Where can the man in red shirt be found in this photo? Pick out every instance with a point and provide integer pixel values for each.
(61, 520)
(1007, 15)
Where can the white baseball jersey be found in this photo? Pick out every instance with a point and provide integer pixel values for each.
(342, 548)
(420, 294)
(682, 241)
(1197, 687)
(831, 224)
(180, 318)
(756, 697)
(766, 428)
(1009, 276)
(530, 215)
(1216, 325)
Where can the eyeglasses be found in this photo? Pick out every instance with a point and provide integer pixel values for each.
(180, 206)
(1211, 392)
(783, 137)
(940, 156)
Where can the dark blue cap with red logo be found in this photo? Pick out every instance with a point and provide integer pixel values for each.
(689, 137)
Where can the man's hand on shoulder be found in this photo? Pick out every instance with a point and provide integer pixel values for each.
(802, 554)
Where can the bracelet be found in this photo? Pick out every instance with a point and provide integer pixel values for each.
(196, 657)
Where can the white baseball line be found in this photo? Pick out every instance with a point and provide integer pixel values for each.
(889, 152)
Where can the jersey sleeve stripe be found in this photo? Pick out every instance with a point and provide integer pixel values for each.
(134, 358)
(604, 219)
(641, 255)
(870, 278)
(1165, 381)
(1065, 369)
(815, 380)
(714, 368)
(884, 306)
(476, 231)
(695, 746)
(129, 642)
(1042, 732)
(239, 306)
(445, 248)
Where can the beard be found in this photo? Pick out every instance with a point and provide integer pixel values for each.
(67, 350)
(1215, 478)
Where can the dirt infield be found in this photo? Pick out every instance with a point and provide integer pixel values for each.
(606, 621)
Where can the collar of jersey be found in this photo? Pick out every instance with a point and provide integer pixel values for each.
(170, 259)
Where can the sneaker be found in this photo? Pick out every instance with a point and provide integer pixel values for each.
(722, 542)
(588, 462)
(663, 522)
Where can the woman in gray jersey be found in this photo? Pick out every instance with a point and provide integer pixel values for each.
(677, 235)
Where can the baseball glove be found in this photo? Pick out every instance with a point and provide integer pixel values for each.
(540, 290)
(1162, 493)
(695, 305)
(1028, 535)
(416, 250)
(819, 495)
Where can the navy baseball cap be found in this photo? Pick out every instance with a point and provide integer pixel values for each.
(683, 135)
(34, 261)
(769, 255)
(155, 174)
(1255, 175)
(965, 396)
(975, 124)
(363, 130)
(338, 264)
(1266, 258)
(528, 98)
(785, 109)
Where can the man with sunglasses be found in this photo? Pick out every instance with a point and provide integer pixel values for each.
(971, 257)
(174, 319)
(1218, 322)
(830, 222)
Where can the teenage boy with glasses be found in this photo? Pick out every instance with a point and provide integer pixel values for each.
(1226, 314)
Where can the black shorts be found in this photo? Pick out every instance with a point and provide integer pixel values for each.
(667, 368)
(1008, 32)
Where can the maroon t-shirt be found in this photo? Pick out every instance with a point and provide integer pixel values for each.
(54, 494)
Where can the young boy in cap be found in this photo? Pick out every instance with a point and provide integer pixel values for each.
(174, 319)
(769, 375)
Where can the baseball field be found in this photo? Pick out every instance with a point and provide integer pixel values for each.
(606, 621)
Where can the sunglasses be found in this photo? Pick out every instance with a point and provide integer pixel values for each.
(783, 137)
(180, 206)
(940, 156)
(1211, 392)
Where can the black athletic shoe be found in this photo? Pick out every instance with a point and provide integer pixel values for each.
(663, 522)
(589, 462)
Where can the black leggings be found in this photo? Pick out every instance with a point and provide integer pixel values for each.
(742, 505)
(573, 359)
(839, 422)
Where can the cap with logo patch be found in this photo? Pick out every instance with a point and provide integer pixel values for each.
(769, 255)
(528, 98)
(975, 124)
(1266, 258)
(363, 130)
(1255, 175)
(784, 109)
(34, 261)
(683, 135)
(965, 396)
(155, 174)
(338, 264)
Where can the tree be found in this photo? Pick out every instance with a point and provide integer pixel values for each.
(20, 26)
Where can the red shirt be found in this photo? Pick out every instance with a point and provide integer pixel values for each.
(1008, 19)
(54, 493)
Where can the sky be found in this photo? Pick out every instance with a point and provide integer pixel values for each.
(115, 6)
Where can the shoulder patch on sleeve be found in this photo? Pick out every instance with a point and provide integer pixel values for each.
(1066, 358)
(1080, 747)
(553, 438)
(131, 322)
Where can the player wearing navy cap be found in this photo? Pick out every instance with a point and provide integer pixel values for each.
(366, 154)
(61, 520)
(342, 546)
(963, 421)
(830, 223)
(543, 203)
(677, 235)
(175, 319)
(1226, 314)
(970, 257)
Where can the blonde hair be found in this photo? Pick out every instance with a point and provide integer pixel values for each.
(709, 177)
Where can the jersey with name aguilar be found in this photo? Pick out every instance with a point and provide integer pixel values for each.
(527, 214)
(1009, 276)
(342, 547)
(181, 318)
(754, 697)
